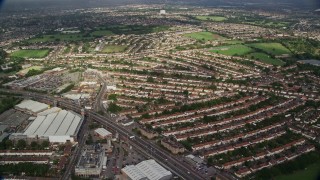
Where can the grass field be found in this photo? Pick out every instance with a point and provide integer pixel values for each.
(271, 48)
(133, 29)
(60, 37)
(263, 52)
(273, 24)
(113, 49)
(101, 33)
(232, 50)
(206, 36)
(211, 18)
(31, 53)
(265, 58)
(312, 172)
(230, 42)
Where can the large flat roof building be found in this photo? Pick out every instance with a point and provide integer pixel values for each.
(103, 133)
(146, 170)
(32, 107)
(57, 127)
(133, 173)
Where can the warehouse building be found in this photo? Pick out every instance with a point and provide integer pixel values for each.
(146, 170)
(31, 107)
(103, 133)
(56, 126)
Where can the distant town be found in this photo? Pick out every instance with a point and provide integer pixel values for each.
(159, 92)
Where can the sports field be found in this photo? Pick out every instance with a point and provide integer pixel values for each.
(265, 58)
(113, 49)
(205, 36)
(232, 50)
(31, 53)
(211, 18)
(271, 48)
(312, 172)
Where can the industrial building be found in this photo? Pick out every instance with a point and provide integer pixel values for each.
(58, 127)
(31, 107)
(146, 170)
(54, 125)
(103, 133)
(91, 162)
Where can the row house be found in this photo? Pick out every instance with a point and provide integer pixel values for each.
(17, 160)
(305, 134)
(239, 162)
(172, 145)
(260, 166)
(243, 172)
(240, 145)
(128, 112)
(148, 133)
(26, 153)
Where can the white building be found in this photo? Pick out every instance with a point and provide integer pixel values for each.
(146, 170)
(31, 107)
(57, 127)
(103, 133)
(162, 11)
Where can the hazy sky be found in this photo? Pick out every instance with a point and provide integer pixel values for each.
(18, 4)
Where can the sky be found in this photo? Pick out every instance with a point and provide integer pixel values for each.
(31, 4)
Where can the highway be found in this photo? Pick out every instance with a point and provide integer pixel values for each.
(178, 167)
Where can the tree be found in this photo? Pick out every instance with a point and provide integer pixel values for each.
(45, 144)
(186, 93)
(89, 140)
(3, 56)
(150, 80)
(114, 108)
(112, 97)
(21, 144)
(34, 145)
(9, 144)
(33, 72)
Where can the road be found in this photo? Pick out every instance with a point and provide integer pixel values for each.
(74, 158)
(98, 105)
(169, 161)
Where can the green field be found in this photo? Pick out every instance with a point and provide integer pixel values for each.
(273, 24)
(113, 49)
(265, 58)
(312, 172)
(60, 37)
(211, 18)
(205, 36)
(101, 33)
(133, 29)
(263, 52)
(232, 50)
(31, 53)
(271, 48)
(230, 42)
